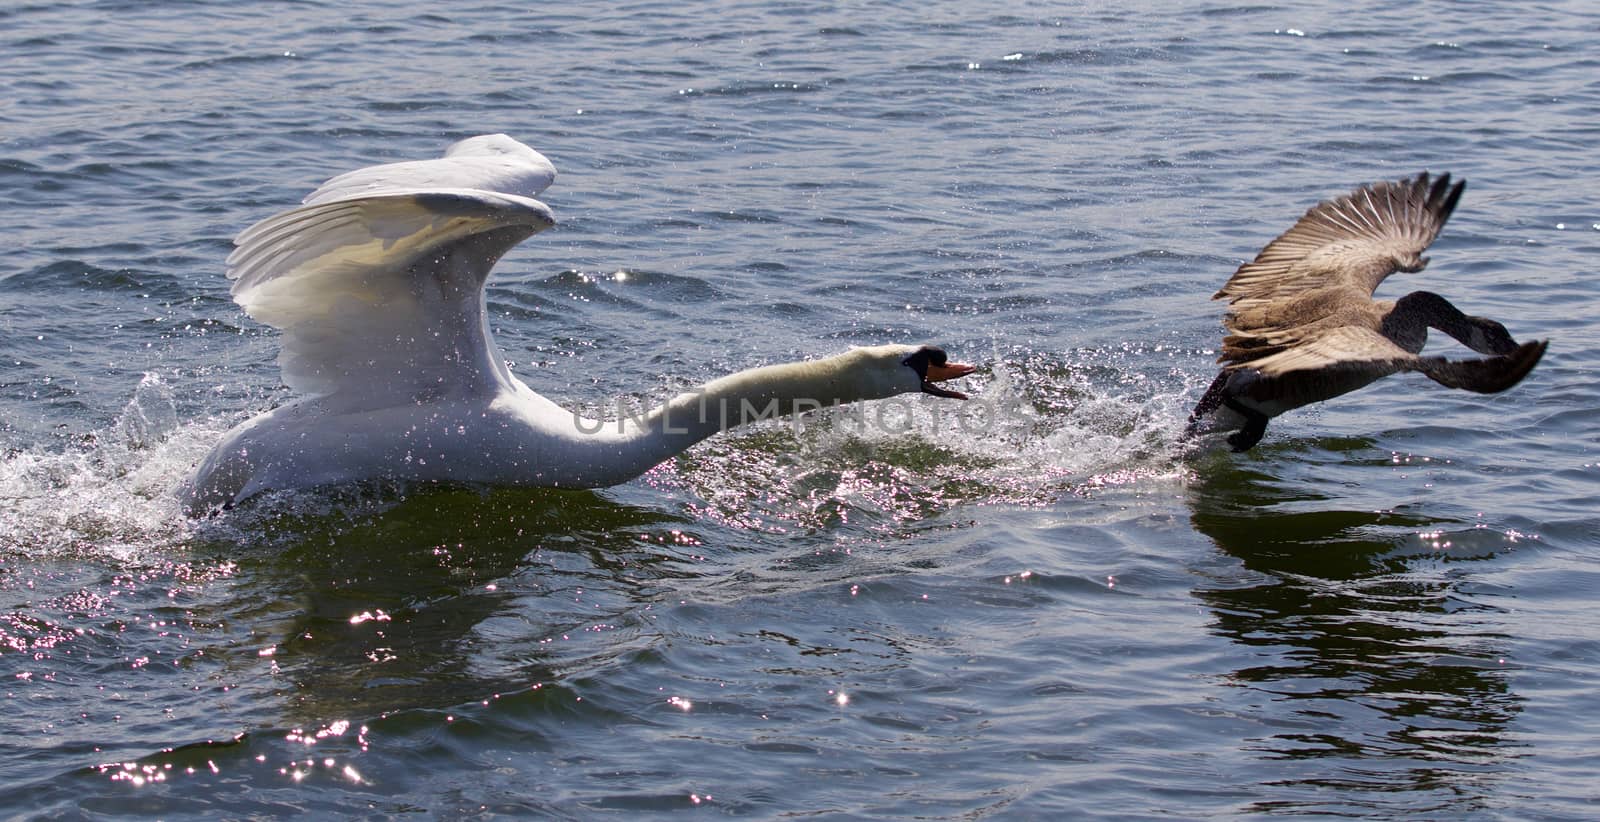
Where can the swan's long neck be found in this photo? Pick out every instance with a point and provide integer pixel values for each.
(631, 444)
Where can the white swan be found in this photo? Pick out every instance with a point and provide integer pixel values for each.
(377, 283)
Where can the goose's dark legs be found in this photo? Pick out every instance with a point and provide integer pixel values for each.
(1255, 426)
(1209, 402)
(1216, 396)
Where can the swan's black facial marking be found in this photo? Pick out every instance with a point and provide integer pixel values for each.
(924, 358)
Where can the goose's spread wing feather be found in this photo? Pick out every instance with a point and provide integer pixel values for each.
(1345, 346)
(1260, 328)
(1488, 375)
(377, 284)
(1350, 351)
(1358, 239)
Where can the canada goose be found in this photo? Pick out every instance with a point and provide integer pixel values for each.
(1303, 326)
(377, 283)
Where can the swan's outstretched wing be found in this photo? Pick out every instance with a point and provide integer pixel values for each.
(377, 282)
(1358, 239)
(489, 162)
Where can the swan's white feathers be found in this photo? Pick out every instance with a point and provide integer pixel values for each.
(377, 288)
(490, 162)
(377, 285)
(381, 232)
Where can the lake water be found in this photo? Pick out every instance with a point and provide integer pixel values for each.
(1036, 605)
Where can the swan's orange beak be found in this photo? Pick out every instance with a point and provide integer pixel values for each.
(941, 373)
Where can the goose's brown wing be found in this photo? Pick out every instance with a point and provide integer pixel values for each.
(1342, 347)
(1262, 328)
(1486, 376)
(1358, 239)
(1348, 352)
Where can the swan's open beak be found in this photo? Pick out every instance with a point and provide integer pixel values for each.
(941, 373)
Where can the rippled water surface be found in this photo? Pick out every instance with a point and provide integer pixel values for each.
(1034, 605)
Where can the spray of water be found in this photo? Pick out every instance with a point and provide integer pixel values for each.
(115, 492)
(1038, 427)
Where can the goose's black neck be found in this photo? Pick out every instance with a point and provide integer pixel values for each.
(1407, 325)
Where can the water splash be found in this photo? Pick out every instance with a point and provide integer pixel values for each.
(150, 416)
(1038, 427)
(114, 492)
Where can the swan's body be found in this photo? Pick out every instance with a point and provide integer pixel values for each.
(377, 285)
(1303, 326)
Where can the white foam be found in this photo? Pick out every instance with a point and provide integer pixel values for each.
(1031, 433)
(114, 493)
